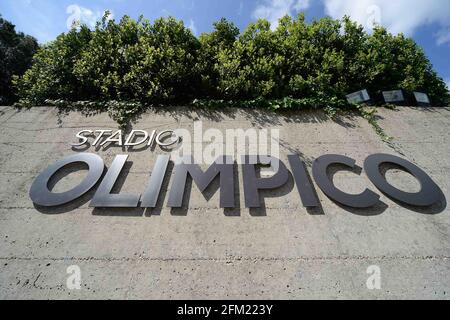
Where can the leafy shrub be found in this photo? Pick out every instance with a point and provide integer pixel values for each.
(221, 39)
(51, 75)
(137, 60)
(16, 53)
(297, 65)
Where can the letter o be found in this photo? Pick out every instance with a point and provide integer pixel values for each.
(42, 196)
(429, 194)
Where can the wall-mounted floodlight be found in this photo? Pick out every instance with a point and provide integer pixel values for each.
(358, 97)
(422, 99)
(394, 97)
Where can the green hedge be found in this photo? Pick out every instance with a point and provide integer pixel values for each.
(164, 63)
(16, 54)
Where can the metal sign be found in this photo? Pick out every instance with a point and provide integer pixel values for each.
(223, 169)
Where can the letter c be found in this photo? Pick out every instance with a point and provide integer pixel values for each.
(42, 196)
(364, 200)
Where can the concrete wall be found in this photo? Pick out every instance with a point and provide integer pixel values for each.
(203, 252)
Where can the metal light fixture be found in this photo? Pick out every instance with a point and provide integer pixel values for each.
(394, 97)
(358, 97)
(422, 99)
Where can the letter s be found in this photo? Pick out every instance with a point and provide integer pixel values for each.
(82, 138)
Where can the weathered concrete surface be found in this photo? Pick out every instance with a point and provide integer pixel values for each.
(201, 251)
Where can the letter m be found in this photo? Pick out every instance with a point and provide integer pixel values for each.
(223, 167)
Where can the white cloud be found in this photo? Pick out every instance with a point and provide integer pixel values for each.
(79, 14)
(443, 36)
(272, 10)
(301, 5)
(241, 8)
(397, 15)
(192, 27)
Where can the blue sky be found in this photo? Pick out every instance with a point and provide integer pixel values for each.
(428, 22)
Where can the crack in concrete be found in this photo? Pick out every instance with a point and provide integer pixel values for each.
(229, 259)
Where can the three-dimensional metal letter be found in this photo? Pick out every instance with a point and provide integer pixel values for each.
(304, 186)
(103, 197)
(429, 194)
(366, 199)
(253, 183)
(222, 167)
(150, 197)
(42, 196)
